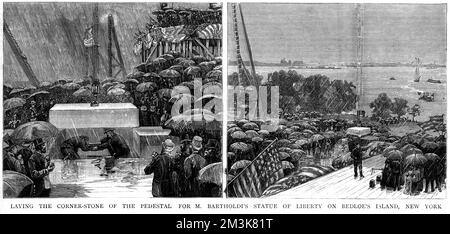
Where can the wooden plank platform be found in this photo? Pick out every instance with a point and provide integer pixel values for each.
(342, 185)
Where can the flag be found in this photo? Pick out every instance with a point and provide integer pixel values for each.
(264, 171)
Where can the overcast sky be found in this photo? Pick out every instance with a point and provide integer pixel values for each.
(325, 33)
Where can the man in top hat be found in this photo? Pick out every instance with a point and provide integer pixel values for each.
(161, 165)
(212, 154)
(40, 166)
(115, 143)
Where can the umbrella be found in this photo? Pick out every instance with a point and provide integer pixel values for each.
(192, 70)
(296, 135)
(407, 147)
(211, 173)
(187, 63)
(82, 93)
(16, 185)
(301, 142)
(283, 155)
(429, 146)
(388, 149)
(167, 57)
(257, 139)
(13, 103)
(394, 155)
(146, 86)
(214, 74)
(56, 87)
(285, 149)
(169, 73)
(415, 160)
(178, 68)
(131, 81)
(218, 67)
(106, 86)
(251, 133)
(178, 60)
(233, 129)
(108, 80)
(412, 151)
(238, 135)
(263, 133)
(317, 137)
(287, 165)
(250, 126)
(116, 92)
(120, 86)
(39, 93)
(239, 146)
(16, 91)
(46, 84)
(33, 130)
(71, 86)
(241, 164)
(141, 67)
(432, 157)
(193, 122)
(284, 142)
(211, 87)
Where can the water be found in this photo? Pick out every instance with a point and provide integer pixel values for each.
(376, 80)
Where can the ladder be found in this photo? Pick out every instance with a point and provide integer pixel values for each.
(20, 56)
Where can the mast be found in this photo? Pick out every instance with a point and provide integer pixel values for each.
(20, 56)
(249, 49)
(417, 71)
(359, 53)
(238, 46)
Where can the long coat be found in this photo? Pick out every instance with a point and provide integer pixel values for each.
(116, 145)
(37, 165)
(161, 167)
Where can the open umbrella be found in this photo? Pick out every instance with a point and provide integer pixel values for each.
(178, 60)
(429, 146)
(165, 93)
(218, 68)
(108, 80)
(146, 86)
(250, 126)
(116, 92)
(301, 142)
(234, 129)
(394, 155)
(192, 70)
(13, 103)
(71, 86)
(388, 149)
(251, 133)
(46, 84)
(33, 130)
(39, 93)
(285, 149)
(106, 86)
(211, 87)
(214, 74)
(263, 133)
(296, 135)
(415, 160)
(284, 142)
(238, 135)
(297, 154)
(16, 91)
(82, 93)
(239, 165)
(412, 151)
(211, 173)
(317, 137)
(257, 139)
(187, 63)
(239, 147)
(185, 97)
(159, 60)
(179, 68)
(432, 157)
(169, 73)
(16, 185)
(167, 57)
(131, 81)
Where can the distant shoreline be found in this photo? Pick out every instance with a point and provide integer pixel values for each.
(305, 66)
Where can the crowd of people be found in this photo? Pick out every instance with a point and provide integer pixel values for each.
(176, 171)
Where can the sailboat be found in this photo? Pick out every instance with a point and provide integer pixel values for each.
(417, 72)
